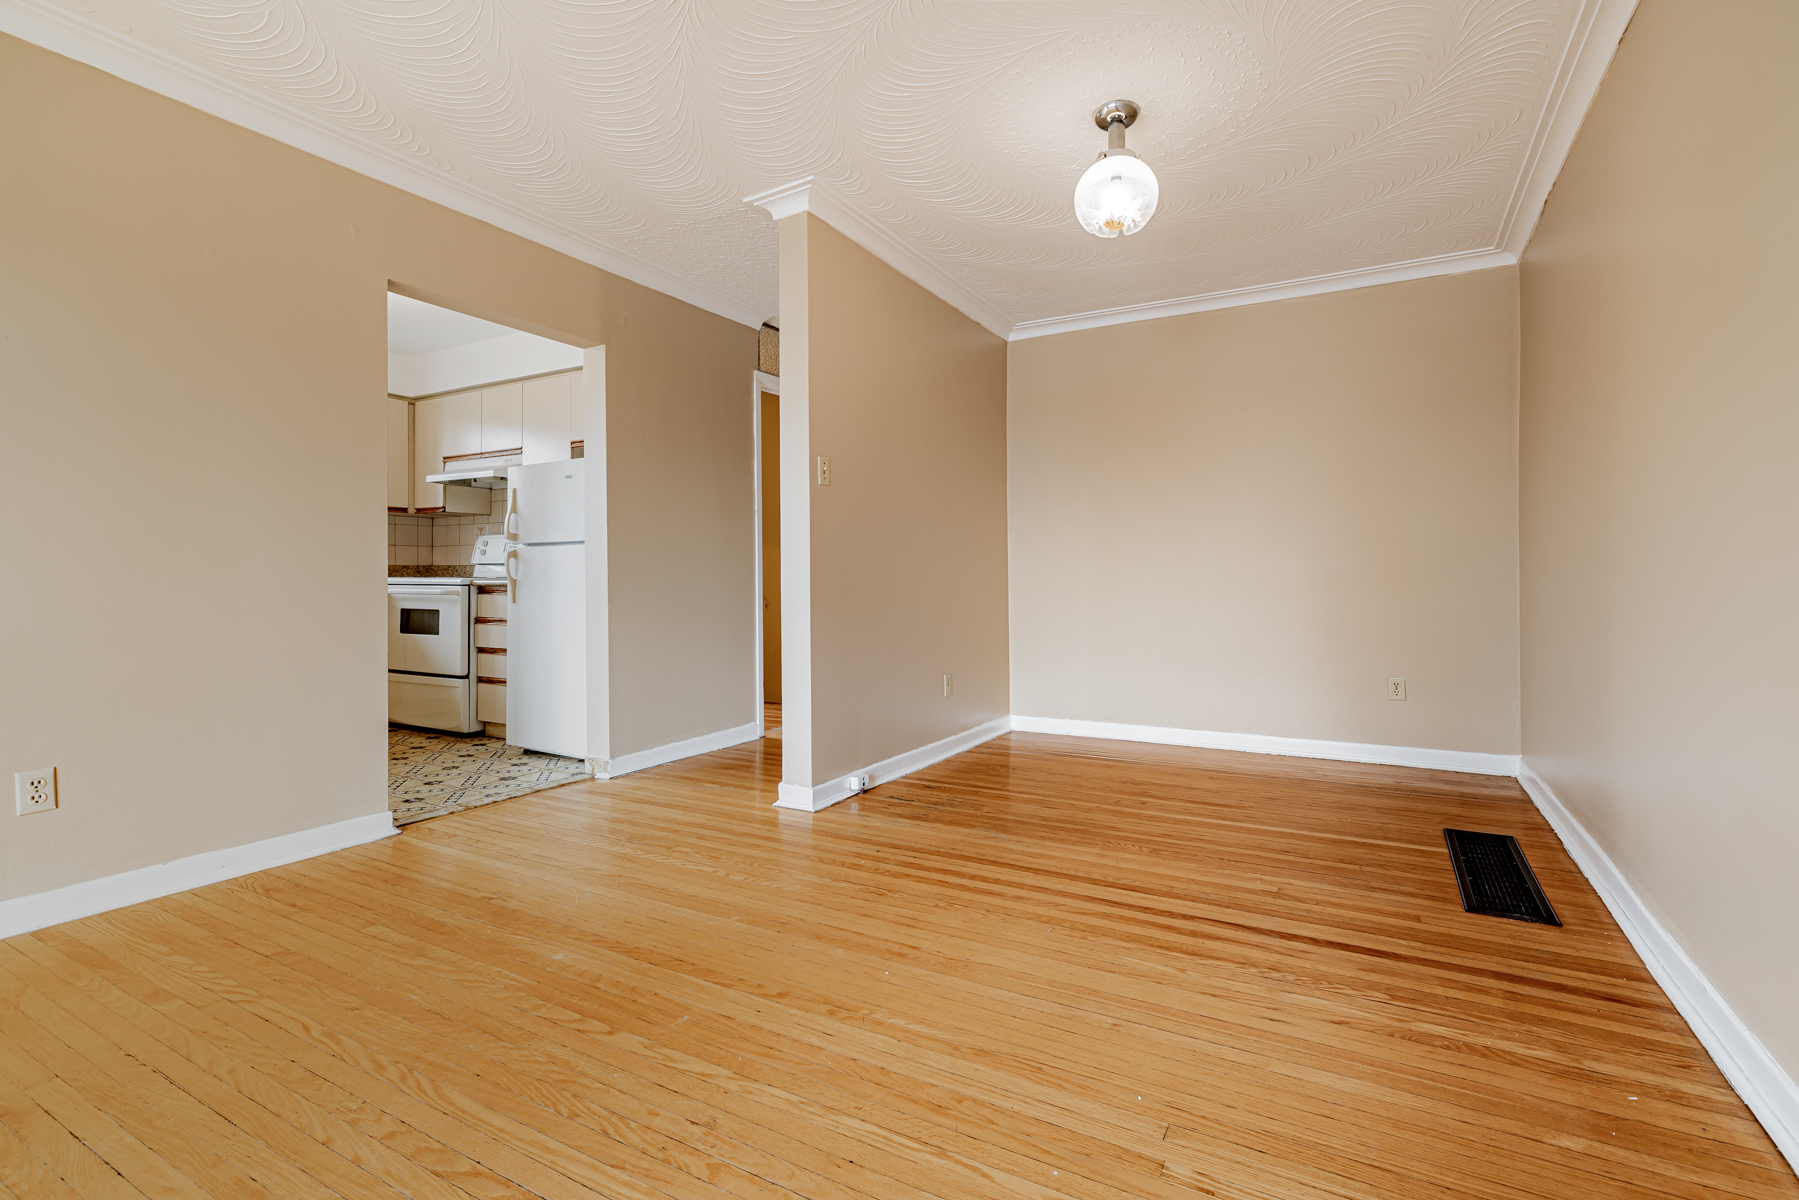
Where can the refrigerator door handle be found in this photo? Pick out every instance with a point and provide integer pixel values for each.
(512, 576)
(511, 514)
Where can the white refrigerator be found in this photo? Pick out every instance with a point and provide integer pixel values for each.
(546, 617)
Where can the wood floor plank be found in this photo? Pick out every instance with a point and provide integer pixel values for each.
(253, 1041)
(1049, 967)
(333, 1153)
(757, 1069)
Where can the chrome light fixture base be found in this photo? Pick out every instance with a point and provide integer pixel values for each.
(1123, 111)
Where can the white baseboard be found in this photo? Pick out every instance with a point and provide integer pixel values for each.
(1469, 761)
(706, 743)
(1757, 1077)
(25, 913)
(811, 799)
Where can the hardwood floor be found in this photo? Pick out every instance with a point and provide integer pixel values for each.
(1046, 968)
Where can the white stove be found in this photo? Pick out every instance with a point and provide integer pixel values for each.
(431, 643)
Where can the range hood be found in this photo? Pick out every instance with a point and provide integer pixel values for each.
(481, 477)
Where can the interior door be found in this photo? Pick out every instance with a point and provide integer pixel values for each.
(427, 630)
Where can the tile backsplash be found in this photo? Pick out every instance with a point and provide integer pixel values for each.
(424, 541)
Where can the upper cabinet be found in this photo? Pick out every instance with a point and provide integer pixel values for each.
(532, 421)
(546, 418)
(442, 427)
(501, 417)
(399, 454)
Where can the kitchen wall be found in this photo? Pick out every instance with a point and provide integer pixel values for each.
(1660, 497)
(439, 541)
(184, 295)
(902, 558)
(679, 506)
(1248, 520)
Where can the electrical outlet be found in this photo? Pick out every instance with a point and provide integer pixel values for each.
(949, 685)
(36, 790)
(858, 783)
(1396, 687)
(824, 471)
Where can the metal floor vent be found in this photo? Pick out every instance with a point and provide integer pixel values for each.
(1495, 877)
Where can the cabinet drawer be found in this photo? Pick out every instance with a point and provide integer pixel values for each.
(490, 635)
(491, 605)
(490, 664)
(490, 703)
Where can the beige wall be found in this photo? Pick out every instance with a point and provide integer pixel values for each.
(1660, 500)
(192, 379)
(1247, 520)
(681, 526)
(906, 549)
(771, 546)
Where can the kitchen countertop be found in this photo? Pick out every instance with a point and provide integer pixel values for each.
(441, 575)
(459, 570)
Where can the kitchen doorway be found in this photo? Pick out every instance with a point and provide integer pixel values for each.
(486, 683)
(766, 407)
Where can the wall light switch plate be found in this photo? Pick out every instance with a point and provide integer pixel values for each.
(35, 791)
(1396, 687)
(824, 471)
(949, 685)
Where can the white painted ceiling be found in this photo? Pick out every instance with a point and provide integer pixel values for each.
(1301, 144)
(414, 327)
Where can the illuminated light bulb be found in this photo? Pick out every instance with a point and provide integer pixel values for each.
(1116, 195)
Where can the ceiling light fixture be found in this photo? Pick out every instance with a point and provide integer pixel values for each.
(1118, 193)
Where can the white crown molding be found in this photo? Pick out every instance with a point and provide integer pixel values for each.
(1600, 28)
(656, 756)
(1467, 761)
(53, 28)
(25, 913)
(812, 799)
(1341, 281)
(788, 200)
(1757, 1076)
(807, 195)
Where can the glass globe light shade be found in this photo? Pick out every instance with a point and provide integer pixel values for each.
(1116, 195)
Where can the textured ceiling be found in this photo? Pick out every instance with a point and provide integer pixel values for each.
(1294, 139)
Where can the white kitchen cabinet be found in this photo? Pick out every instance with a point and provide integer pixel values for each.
(546, 418)
(577, 400)
(501, 413)
(442, 427)
(399, 454)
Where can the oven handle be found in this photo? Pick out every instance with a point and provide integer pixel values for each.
(410, 592)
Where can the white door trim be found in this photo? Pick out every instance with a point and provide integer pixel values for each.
(759, 382)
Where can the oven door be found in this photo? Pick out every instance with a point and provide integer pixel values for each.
(428, 630)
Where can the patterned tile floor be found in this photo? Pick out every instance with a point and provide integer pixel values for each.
(430, 774)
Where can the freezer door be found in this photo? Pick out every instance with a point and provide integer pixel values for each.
(546, 650)
(547, 502)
